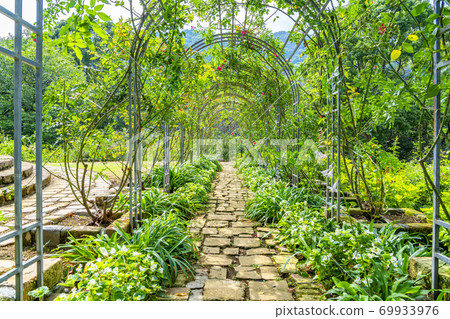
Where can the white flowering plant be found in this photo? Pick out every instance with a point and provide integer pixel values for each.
(383, 284)
(117, 275)
(350, 254)
(164, 238)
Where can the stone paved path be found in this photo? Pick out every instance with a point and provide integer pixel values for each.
(239, 260)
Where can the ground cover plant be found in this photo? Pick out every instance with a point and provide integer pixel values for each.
(355, 261)
(138, 266)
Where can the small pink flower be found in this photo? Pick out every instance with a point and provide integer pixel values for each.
(192, 27)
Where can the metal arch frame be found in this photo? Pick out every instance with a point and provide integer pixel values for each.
(437, 220)
(261, 44)
(137, 50)
(19, 230)
(166, 161)
(228, 84)
(225, 103)
(280, 60)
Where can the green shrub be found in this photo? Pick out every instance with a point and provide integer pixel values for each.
(138, 265)
(270, 200)
(116, 275)
(202, 172)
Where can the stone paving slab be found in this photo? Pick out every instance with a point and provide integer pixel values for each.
(242, 224)
(216, 260)
(250, 274)
(255, 260)
(269, 291)
(217, 242)
(221, 217)
(281, 260)
(231, 251)
(209, 231)
(211, 250)
(235, 231)
(217, 272)
(224, 290)
(247, 242)
(216, 223)
(260, 251)
(269, 273)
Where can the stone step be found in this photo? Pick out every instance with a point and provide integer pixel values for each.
(53, 273)
(28, 187)
(6, 162)
(7, 175)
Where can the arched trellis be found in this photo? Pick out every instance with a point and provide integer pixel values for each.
(280, 60)
(151, 16)
(334, 94)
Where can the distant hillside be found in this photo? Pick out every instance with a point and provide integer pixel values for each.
(290, 47)
(192, 37)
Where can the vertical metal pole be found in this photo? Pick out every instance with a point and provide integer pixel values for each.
(166, 160)
(333, 148)
(278, 137)
(198, 144)
(130, 147)
(436, 152)
(295, 135)
(201, 143)
(38, 120)
(327, 190)
(278, 126)
(266, 143)
(181, 126)
(18, 149)
(338, 155)
(139, 175)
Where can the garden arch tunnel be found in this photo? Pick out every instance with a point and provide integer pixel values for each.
(314, 18)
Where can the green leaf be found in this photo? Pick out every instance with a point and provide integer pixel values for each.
(419, 8)
(432, 17)
(78, 53)
(100, 32)
(433, 90)
(408, 47)
(103, 16)
(395, 54)
(93, 3)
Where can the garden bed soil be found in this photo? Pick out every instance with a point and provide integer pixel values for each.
(364, 217)
(403, 218)
(77, 220)
(8, 252)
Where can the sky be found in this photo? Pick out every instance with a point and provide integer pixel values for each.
(29, 14)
